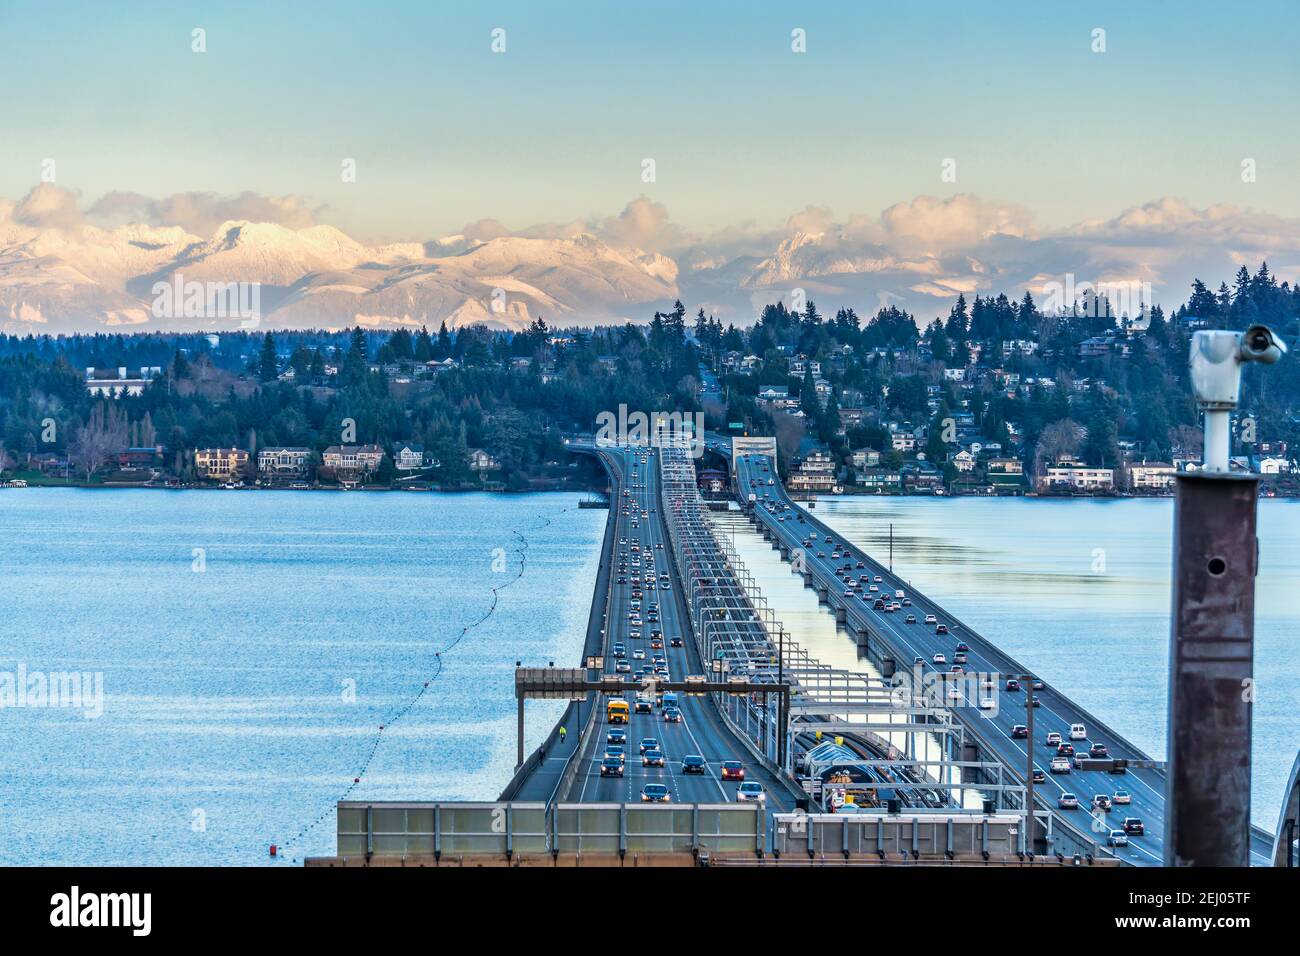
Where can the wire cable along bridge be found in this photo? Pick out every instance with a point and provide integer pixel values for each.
(698, 731)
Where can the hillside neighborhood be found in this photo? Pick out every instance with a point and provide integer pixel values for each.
(997, 398)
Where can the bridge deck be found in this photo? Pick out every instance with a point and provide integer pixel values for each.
(911, 641)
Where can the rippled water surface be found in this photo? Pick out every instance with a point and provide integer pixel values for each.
(250, 646)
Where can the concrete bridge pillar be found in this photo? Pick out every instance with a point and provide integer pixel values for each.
(841, 615)
(785, 552)
(823, 596)
(807, 579)
(887, 668)
(863, 639)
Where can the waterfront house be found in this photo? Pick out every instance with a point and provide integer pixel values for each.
(284, 462)
(480, 460)
(1074, 477)
(881, 481)
(1151, 476)
(814, 472)
(409, 456)
(353, 460)
(221, 464)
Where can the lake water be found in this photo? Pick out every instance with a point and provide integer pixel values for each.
(1077, 590)
(252, 643)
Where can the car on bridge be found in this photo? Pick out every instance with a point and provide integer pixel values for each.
(1078, 732)
(1019, 732)
(1053, 739)
(1068, 801)
(1059, 765)
(1133, 826)
(733, 770)
(1038, 776)
(910, 619)
(1117, 838)
(611, 767)
(931, 619)
(1122, 798)
(616, 737)
(655, 793)
(941, 629)
(940, 659)
(694, 763)
(1098, 751)
(1101, 801)
(751, 792)
(672, 715)
(1012, 684)
(649, 743)
(652, 758)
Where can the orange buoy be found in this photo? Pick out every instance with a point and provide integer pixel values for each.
(273, 849)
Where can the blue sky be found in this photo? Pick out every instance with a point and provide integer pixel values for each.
(445, 132)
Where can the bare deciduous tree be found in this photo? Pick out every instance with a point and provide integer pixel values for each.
(104, 434)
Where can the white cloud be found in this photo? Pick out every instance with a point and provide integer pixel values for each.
(200, 213)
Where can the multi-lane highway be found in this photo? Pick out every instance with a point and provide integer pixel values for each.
(643, 582)
(917, 644)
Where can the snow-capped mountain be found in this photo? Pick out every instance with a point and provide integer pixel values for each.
(84, 278)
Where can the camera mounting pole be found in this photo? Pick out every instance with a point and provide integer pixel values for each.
(1212, 631)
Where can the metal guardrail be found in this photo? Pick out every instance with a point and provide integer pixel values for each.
(398, 829)
(932, 836)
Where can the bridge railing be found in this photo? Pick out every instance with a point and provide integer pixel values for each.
(398, 829)
(935, 835)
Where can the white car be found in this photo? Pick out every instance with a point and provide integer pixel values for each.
(1060, 765)
(987, 703)
(1122, 797)
(750, 792)
(940, 659)
(931, 619)
(1078, 732)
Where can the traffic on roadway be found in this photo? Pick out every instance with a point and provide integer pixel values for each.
(1120, 810)
(646, 746)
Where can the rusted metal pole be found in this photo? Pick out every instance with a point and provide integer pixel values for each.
(1211, 659)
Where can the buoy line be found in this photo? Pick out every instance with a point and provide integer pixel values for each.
(277, 850)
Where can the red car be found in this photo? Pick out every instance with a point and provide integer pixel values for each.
(733, 770)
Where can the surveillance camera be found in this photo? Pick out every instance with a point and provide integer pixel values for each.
(1259, 344)
(1215, 364)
